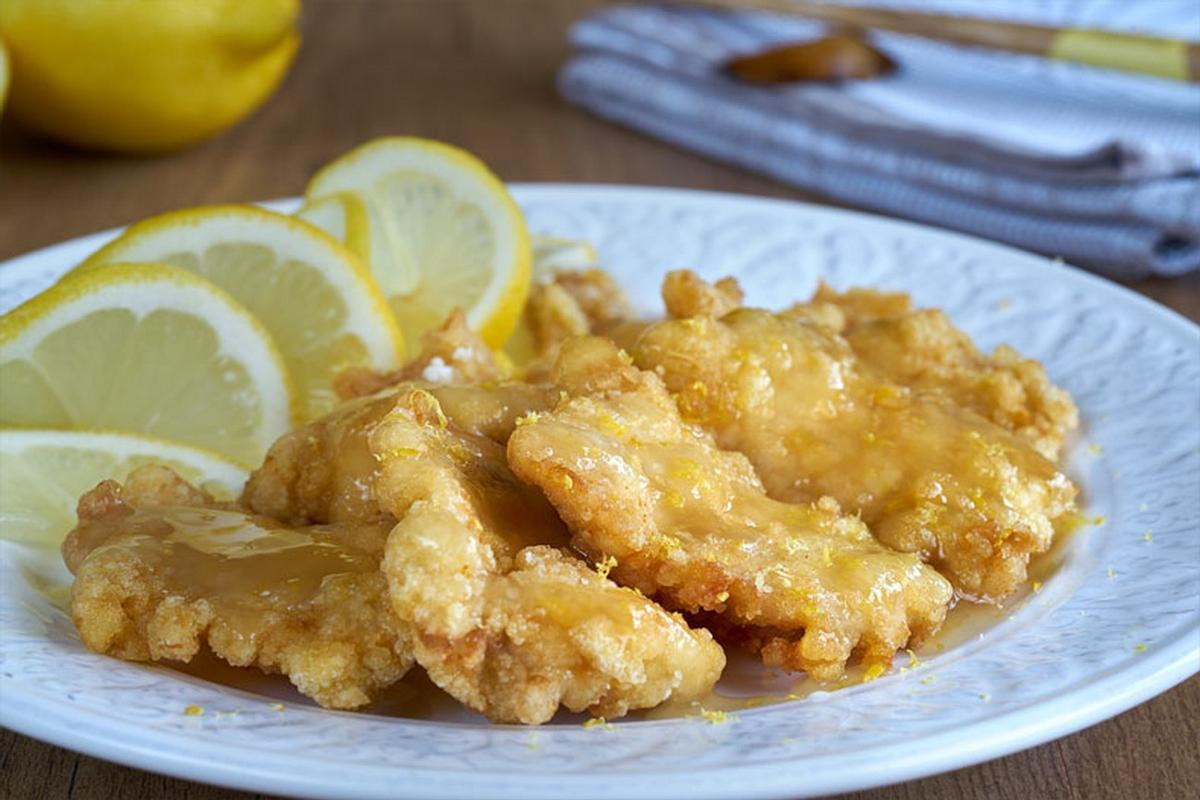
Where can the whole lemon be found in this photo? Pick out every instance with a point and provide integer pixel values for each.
(3, 74)
(143, 75)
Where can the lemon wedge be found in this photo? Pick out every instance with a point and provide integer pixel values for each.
(311, 293)
(145, 348)
(444, 233)
(45, 471)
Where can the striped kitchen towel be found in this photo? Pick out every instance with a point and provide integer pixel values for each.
(1100, 168)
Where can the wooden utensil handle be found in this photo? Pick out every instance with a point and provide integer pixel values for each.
(1164, 57)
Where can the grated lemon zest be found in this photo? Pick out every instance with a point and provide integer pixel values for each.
(873, 672)
(716, 717)
(606, 566)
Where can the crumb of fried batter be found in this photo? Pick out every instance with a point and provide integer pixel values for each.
(450, 354)
(692, 526)
(928, 475)
(861, 305)
(570, 303)
(507, 622)
(597, 296)
(685, 294)
(161, 571)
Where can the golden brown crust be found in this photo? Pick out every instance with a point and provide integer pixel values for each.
(324, 471)
(692, 526)
(161, 572)
(506, 621)
(686, 294)
(922, 349)
(928, 475)
(571, 303)
(450, 354)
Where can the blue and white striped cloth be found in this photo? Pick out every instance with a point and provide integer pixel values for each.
(1100, 168)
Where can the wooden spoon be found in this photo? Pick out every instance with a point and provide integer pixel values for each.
(839, 57)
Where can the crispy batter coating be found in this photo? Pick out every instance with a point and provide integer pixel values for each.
(685, 294)
(693, 527)
(324, 471)
(507, 622)
(569, 303)
(924, 350)
(573, 303)
(854, 306)
(450, 354)
(161, 570)
(927, 475)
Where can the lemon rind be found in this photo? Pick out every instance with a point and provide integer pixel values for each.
(299, 240)
(124, 445)
(495, 314)
(80, 293)
(355, 227)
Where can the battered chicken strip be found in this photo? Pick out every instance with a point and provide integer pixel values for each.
(505, 621)
(924, 350)
(919, 348)
(927, 475)
(450, 354)
(692, 526)
(324, 471)
(161, 570)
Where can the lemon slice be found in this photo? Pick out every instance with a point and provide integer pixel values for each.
(444, 233)
(43, 473)
(315, 297)
(145, 348)
(554, 254)
(344, 217)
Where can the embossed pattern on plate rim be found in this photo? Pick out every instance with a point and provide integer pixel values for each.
(1066, 659)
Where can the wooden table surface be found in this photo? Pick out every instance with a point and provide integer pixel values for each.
(480, 74)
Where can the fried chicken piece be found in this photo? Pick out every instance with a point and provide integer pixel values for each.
(573, 303)
(927, 475)
(324, 471)
(506, 622)
(692, 526)
(920, 348)
(685, 294)
(161, 570)
(924, 350)
(570, 303)
(450, 354)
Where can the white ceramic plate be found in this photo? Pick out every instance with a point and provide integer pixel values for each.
(1117, 623)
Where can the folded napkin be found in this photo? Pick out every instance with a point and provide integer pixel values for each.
(1100, 168)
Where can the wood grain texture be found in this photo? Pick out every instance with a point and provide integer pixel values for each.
(480, 74)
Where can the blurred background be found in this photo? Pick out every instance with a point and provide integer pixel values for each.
(120, 109)
(123, 108)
